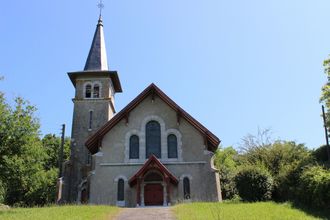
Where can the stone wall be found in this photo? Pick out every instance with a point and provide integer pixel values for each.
(194, 160)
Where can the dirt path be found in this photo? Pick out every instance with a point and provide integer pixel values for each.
(149, 213)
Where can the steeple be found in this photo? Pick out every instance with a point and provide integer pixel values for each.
(97, 57)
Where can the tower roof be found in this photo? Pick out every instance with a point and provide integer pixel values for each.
(97, 57)
(97, 64)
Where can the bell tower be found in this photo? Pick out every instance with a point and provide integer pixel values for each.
(94, 105)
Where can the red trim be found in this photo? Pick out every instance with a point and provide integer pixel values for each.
(91, 143)
(155, 164)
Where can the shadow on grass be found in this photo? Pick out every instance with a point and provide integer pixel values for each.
(316, 212)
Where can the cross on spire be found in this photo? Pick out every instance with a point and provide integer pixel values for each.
(100, 5)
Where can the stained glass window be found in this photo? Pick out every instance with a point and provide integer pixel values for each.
(153, 142)
(172, 146)
(134, 147)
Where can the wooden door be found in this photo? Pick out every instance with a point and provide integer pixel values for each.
(153, 194)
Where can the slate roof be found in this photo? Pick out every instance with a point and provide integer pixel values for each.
(97, 57)
(96, 63)
(94, 142)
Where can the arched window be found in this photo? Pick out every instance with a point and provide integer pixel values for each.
(88, 91)
(153, 144)
(186, 188)
(172, 146)
(120, 192)
(96, 91)
(134, 147)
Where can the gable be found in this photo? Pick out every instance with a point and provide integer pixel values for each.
(94, 142)
(152, 164)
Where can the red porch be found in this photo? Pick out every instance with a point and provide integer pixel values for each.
(153, 183)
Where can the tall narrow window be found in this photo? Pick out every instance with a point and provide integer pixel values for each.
(90, 120)
(96, 91)
(88, 91)
(153, 143)
(120, 190)
(186, 188)
(172, 146)
(134, 147)
(89, 158)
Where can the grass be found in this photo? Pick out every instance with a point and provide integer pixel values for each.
(237, 211)
(60, 213)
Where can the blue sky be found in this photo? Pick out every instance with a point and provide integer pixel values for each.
(235, 66)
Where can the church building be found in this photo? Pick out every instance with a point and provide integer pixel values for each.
(152, 152)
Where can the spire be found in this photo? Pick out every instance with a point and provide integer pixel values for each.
(97, 57)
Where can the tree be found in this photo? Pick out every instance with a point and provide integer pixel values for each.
(22, 156)
(314, 187)
(254, 184)
(52, 145)
(226, 163)
(284, 160)
(325, 95)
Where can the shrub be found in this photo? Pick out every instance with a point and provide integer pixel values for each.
(227, 183)
(2, 192)
(225, 161)
(254, 184)
(321, 154)
(314, 187)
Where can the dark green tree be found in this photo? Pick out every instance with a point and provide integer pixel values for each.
(52, 145)
(254, 184)
(325, 95)
(284, 160)
(226, 162)
(22, 156)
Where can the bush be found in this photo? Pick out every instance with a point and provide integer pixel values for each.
(227, 183)
(254, 184)
(314, 187)
(321, 154)
(2, 192)
(225, 161)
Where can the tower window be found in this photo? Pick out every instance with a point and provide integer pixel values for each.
(90, 120)
(96, 91)
(88, 91)
(89, 158)
(92, 90)
(172, 146)
(134, 147)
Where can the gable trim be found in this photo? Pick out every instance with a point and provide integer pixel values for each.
(150, 164)
(94, 142)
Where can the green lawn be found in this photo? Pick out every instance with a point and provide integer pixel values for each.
(237, 211)
(60, 213)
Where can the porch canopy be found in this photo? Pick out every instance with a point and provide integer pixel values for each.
(153, 164)
(158, 191)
